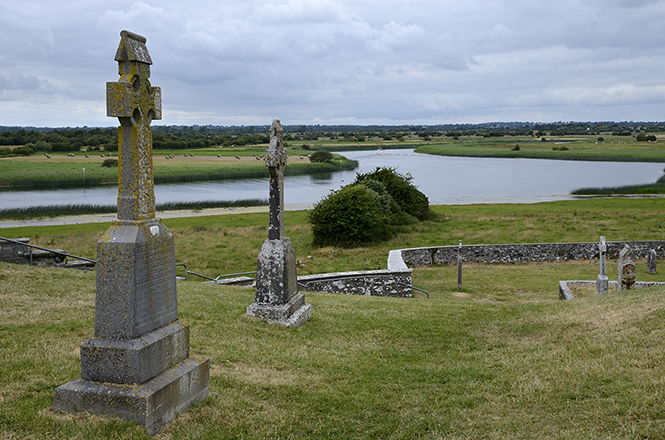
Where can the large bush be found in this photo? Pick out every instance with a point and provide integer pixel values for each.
(368, 210)
(351, 216)
(400, 187)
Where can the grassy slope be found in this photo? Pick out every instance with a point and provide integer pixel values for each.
(217, 245)
(503, 359)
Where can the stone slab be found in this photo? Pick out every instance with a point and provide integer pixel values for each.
(152, 404)
(292, 314)
(127, 361)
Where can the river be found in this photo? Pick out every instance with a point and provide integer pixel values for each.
(445, 180)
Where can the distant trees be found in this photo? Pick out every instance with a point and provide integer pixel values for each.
(193, 137)
(321, 156)
(646, 138)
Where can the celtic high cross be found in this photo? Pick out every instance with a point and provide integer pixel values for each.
(276, 158)
(135, 103)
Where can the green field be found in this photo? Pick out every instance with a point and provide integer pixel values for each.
(63, 171)
(502, 359)
(613, 148)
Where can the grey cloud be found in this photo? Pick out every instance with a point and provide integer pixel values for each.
(342, 60)
(23, 82)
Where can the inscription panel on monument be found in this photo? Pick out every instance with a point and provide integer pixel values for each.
(136, 286)
(156, 303)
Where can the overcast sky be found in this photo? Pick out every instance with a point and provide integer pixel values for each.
(245, 62)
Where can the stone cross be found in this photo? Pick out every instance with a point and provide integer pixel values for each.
(138, 365)
(602, 282)
(276, 158)
(135, 103)
(277, 299)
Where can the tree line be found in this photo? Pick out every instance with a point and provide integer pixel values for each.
(176, 137)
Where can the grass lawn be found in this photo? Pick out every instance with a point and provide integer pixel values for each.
(502, 359)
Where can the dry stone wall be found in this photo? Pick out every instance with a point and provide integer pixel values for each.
(369, 282)
(513, 253)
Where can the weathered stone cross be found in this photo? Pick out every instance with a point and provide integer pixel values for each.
(277, 298)
(276, 158)
(135, 103)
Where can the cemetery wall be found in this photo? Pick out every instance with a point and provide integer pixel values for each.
(513, 253)
(369, 282)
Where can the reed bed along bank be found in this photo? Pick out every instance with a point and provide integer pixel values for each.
(40, 212)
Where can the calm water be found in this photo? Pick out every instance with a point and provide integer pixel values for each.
(445, 180)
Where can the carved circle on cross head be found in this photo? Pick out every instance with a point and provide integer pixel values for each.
(133, 120)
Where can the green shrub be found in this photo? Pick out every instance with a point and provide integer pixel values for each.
(110, 163)
(401, 189)
(321, 156)
(388, 204)
(516, 148)
(349, 217)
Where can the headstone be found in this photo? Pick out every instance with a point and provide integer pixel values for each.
(625, 270)
(277, 299)
(651, 261)
(602, 282)
(137, 366)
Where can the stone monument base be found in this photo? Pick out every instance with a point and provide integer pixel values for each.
(152, 404)
(602, 285)
(277, 299)
(292, 314)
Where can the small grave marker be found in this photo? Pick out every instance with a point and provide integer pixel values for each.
(602, 282)
(625, 270)
(651, 261)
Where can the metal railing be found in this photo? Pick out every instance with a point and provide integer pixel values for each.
(53, 251)
(187, 272)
